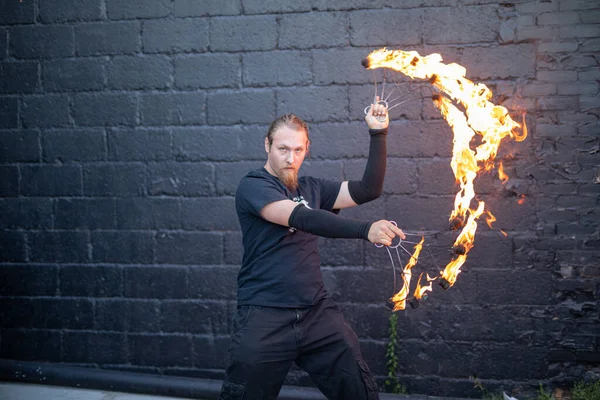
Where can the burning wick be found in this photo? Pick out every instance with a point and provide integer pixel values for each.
(414, 302)
(444, 283)
(421, 291)
(459, 249)
(456, 223)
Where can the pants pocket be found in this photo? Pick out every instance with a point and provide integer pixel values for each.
(232, 391)
(241, 318)
(370, 382)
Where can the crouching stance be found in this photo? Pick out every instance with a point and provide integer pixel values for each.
(284, 313)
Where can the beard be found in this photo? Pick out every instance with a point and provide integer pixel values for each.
(289, 177)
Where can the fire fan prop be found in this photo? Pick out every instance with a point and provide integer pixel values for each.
(480, 117)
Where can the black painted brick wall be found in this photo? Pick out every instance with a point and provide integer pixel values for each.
(125, 127)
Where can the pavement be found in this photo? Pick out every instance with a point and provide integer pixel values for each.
(32, 391)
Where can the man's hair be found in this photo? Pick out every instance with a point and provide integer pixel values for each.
(291, 121)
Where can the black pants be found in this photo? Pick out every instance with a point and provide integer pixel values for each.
(266, 340)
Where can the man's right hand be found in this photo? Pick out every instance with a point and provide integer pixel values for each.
(383, 232)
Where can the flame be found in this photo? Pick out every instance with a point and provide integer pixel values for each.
(490, 219)
(523, 135)
(464, 242)
(421, 290)
(464, 161)
(490, 122)
(521, 200)
(399, 298)
(504, 233)
(503, 177)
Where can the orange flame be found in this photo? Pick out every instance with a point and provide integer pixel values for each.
(523, 135)
(464, 242)
(421, 290)
(481, 117)
(521, 200)
(399, 298)
(490, 219)
(503, 177)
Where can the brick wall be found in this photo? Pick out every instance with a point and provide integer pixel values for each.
(125, 127)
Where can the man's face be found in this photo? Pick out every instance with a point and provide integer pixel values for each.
(286, 154)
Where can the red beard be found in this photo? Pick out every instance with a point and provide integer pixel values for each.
(289, 177)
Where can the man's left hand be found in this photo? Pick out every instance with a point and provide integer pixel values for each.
(377, 117)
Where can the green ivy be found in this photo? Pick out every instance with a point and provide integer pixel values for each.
(542, 395)
(391, 382)
(484, 393)
(587, 390)
(581, 391)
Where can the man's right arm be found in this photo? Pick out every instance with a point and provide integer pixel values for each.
(278, 212)
(327, 224)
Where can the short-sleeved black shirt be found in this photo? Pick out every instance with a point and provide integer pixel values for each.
(281, 265)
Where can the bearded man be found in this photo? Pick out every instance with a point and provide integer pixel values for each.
(284, 313)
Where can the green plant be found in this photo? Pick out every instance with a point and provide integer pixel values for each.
(542, 395)
(581, 391)
(485, 394)
(391, 382)
(586, 390)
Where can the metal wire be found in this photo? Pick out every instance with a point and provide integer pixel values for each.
(412, 87)
(427, 247)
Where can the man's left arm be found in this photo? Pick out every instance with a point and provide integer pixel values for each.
(353, 193)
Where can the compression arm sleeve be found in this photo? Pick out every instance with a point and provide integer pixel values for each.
(326, 224)
(371, 185)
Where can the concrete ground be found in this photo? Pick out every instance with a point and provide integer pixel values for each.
(31, 391)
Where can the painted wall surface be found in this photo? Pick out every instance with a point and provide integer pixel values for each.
(126, 125)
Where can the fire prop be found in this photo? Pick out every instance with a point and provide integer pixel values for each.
(399, 299)
(490, 122)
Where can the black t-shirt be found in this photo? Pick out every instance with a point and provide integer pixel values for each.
(281, 265)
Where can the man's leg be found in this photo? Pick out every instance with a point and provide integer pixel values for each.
(261, 353)
(330, 353)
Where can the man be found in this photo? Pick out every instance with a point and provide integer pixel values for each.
(284, 313)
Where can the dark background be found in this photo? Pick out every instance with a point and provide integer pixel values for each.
(126, 125)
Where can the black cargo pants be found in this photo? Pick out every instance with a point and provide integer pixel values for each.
(266, 340)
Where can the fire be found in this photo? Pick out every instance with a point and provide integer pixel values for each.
(399, 298)
(481, 118)
(462, 245)
(503, 177)
(421, 290)
(490, 219)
